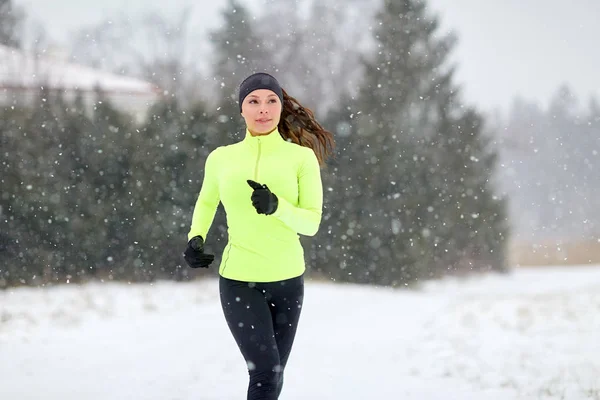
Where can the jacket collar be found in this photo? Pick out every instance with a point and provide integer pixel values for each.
(266, 142)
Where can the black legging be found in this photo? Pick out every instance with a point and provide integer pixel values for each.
(263, 318)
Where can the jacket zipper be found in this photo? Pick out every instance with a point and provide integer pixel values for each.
(257, 159)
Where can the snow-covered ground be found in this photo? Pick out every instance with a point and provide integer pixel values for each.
(532, 334)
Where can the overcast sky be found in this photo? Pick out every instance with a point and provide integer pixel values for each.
(506, 47)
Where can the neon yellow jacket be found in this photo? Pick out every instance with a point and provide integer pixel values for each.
(261, 248)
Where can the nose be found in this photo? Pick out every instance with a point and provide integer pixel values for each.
(263, 109)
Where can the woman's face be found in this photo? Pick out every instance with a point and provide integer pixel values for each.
(261, 110)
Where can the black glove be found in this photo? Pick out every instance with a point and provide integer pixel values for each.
(194, 254)
(263, 199)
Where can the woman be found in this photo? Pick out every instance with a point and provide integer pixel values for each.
(271, 190)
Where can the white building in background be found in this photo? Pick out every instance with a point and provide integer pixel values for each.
(23, 74)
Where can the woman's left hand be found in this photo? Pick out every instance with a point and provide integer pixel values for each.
(262, 198)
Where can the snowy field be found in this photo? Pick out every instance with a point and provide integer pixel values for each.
(533, 334)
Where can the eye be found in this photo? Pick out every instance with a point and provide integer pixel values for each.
(272, 101)
(252, 101)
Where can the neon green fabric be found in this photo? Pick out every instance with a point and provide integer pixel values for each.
(261, 248)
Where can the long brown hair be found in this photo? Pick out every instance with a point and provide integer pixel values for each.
(299, 125)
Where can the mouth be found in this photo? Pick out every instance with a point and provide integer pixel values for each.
(263, 120)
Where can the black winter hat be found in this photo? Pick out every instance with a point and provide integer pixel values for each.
(259, 80)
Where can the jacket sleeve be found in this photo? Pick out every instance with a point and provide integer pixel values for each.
(208, 199)
(306, 217)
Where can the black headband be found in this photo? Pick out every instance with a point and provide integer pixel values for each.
(260, 80)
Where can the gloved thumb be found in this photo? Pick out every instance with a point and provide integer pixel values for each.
(254, 185)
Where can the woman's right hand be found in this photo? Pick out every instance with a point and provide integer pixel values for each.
(194, 253)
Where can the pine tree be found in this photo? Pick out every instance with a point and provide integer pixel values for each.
(32, 190)
(468, 216)
(11, 19)
(394, 234)
(18, 149)
(239, 52)
(391, 197)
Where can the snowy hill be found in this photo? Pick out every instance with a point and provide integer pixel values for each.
(532, 334)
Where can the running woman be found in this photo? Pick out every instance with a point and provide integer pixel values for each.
(270, 186)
